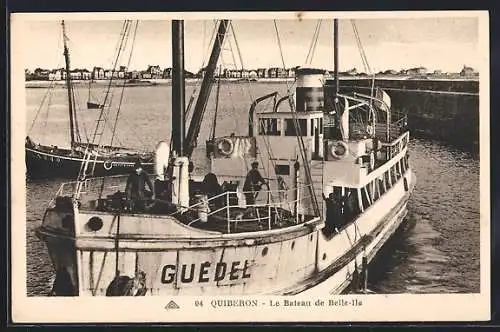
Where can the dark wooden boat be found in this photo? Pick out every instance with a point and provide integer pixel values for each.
(44, 161)
(92, 106)
(48, 161)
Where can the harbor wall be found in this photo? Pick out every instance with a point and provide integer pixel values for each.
(443, 110)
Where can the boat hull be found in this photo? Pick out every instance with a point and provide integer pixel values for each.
(46, 164)
(189, 261)
(92, 105)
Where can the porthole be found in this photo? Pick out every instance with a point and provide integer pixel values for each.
(311, 237)
(94, 224)
(293, 244)
(324, 256)
(264, 251)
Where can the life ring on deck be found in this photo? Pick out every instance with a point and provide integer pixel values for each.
(339, 149)
(372, 161)
(108, 165)
(405, 183)
(225, 146)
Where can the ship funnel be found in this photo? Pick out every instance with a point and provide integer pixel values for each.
(309, 91)
(162, 154)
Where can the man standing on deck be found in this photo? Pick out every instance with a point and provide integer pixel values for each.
(333, 212)
(135, 189)
(252, 185)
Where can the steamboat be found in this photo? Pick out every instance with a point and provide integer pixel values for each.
(337, 177)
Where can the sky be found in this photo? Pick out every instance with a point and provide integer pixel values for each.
(446, 43)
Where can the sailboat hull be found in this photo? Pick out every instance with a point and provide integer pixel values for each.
(61, 163)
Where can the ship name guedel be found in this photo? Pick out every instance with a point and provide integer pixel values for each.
(205, 272)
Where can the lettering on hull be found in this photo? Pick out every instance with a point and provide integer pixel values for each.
(205, 272)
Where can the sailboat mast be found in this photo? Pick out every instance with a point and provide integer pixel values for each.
(336, 54)
(68, 87)
(206, 85)
(178, 88)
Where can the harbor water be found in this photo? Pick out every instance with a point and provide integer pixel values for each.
(436, 251)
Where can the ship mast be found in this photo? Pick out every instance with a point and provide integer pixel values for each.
(336, 55)
(206, 85)
(68, 87)
(178, 88)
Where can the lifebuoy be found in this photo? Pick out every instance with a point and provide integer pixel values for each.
(339, 149)
(372, 161)
(225, 146)
(405, 183)
(108, 164)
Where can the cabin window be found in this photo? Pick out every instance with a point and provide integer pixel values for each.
(282, 169)
(312, 127)
(290, 127)
(270, 127)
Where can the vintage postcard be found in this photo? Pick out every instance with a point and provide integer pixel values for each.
(250, 166)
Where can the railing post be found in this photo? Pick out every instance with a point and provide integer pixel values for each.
(228, 215)
(269, 208)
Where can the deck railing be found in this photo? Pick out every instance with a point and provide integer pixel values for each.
(273, 202)
(229, 204)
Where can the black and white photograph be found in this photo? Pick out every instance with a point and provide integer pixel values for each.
(222, 166)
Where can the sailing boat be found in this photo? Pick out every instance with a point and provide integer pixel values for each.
(198, 237)
(53, 161)
(92, 104)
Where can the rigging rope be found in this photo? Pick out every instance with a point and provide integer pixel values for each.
(364, 58)
(49, 91)
(123, 87)
(103, 114)
(302, 148)
(49, 102)
(314, 41)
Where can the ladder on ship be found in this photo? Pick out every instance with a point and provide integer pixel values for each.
(93, 149)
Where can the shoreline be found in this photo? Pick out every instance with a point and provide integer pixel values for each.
(191, 81)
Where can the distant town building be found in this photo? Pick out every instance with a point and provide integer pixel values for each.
(135, 75)
(261, 72)
(417, 71)
(350, 72)
(98, 73)
(167, 73)
(57, 74)
(154, 71)
(41, 74)
(467, 72)
(390, 72)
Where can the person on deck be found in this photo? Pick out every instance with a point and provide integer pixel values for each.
(334, 216)
(252, 184)
(136, 185)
